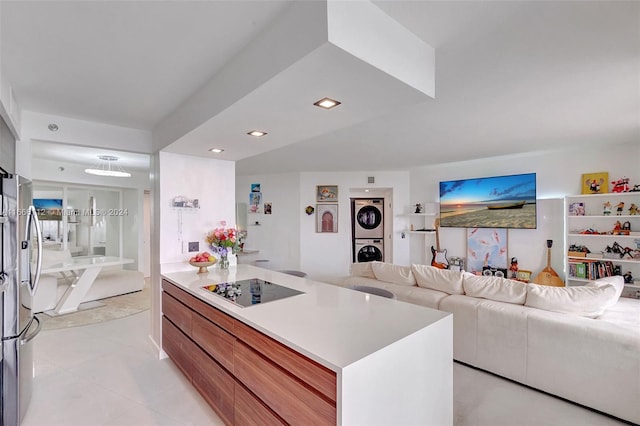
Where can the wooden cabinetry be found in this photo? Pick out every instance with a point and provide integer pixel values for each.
(588, 225)
(247, 377)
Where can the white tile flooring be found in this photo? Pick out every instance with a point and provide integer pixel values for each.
(109, 374)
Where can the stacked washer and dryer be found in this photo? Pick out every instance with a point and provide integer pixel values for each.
(368, 229)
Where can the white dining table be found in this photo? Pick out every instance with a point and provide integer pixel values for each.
(86, 269)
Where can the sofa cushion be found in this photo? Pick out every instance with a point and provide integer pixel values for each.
(586, 301)
(616, 281)
(423, 297)
(362, 269)
(391, 273)
(494, 288)
(438, 279)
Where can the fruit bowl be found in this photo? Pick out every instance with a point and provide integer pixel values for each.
(202, 266)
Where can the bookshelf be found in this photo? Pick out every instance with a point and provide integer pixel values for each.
(588, 225)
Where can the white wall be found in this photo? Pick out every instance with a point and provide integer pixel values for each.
(212, 182)
(327, 256)
(558, 174)
(277, 237)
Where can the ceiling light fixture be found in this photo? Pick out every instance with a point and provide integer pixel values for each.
(327, 103)
(216, 150)
(256, 133)
(104, 168)
(53, 127)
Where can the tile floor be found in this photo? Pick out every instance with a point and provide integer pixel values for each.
(109, 374)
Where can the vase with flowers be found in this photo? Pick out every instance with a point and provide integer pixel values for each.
(223, 241)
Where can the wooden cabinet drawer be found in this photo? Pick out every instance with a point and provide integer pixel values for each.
(177, 313)
(309, 371)
(287, 396)
(177, 346)
(249, 411)
(214, 340)
(214, 315)
(214, 384)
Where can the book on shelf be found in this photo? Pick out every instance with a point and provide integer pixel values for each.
(576, 209)
(591, 269)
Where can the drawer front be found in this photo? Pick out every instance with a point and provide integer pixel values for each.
(214, 340)
(214, 384)
(177, 346)
(212, 314)
(249, 411)
(175, 311)
(317, 376)
(288, 397)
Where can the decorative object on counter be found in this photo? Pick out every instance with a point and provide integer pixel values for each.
(595, 183)
(327, 193)
(606, 208)
(326, 218)
(419, 208)
(223, 240)
(628, 278)
(202, 261)
(633, 209)
(456, 263)
(619, 208)
(309, 210)
(620, 185)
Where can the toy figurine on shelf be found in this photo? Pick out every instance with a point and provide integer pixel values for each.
(606, 208)
(619, 208)
(628, 278)
(620, 185)
(418, 208)
(633, 209)
(617, 226)
(513, 269)
(636, 188)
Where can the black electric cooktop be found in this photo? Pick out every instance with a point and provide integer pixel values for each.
(251, 292)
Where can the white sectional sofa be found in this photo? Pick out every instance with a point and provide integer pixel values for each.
(579, 343)
(112, 281)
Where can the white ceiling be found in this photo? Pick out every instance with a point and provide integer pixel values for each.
(511, 77)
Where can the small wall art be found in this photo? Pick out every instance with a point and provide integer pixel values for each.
(267, 208)
(595, 183)
(326, 218)
(327, 193)
(486, 247)
(255, 187)
(255, 199)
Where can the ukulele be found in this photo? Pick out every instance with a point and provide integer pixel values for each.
(439, 259)
(548, 276)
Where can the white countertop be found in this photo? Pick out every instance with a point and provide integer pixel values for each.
(84, 262)
(331, 325)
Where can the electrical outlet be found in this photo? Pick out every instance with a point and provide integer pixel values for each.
(190, 246)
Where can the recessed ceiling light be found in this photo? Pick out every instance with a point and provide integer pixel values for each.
(327, 103)
(216, 150)
(53, 127)
(256, 133)
(366, 190)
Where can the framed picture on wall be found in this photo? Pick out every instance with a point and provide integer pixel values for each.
(326, 218)
(486, 247)
(327, 193)
(595, 183)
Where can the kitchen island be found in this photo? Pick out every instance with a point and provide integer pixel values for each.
(326, 355)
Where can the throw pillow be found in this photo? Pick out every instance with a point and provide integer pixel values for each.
(362, 270)
(394, 274)
(616, 281)
(494, 288)
(586, 301)
(444, 280)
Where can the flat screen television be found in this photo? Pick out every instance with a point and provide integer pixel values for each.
(489, 202)
(48, 208)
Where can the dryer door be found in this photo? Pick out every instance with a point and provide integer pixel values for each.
(369, 253)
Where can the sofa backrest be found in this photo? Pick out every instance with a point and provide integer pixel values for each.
(495, 288)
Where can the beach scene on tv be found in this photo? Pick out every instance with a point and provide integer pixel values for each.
(490, 202)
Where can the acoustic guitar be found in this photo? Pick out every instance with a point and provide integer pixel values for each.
(548, 276)
(439, 259)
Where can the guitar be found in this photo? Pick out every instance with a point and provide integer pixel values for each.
(439, 259)
(548, 276)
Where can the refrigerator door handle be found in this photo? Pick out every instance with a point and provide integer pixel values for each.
(29, 337)
(33, 281)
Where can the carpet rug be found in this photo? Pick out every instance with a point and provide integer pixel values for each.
(114, 308)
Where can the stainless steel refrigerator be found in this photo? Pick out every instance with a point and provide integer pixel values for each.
(21, 240)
